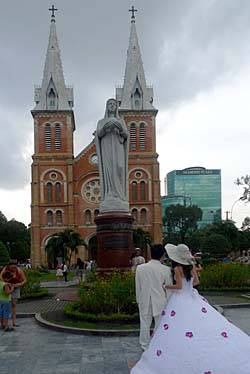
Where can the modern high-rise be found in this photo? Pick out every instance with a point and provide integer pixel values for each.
(195, 186)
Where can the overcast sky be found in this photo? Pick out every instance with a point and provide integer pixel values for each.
(196, 53)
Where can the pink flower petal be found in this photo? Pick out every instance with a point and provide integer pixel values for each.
(173, 313)
(224, 334)
(207, 372)
(163, 313)
(189, 334)
(204, 310)
(165, 326)
(158, 352)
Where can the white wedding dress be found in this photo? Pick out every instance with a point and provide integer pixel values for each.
(193, 338)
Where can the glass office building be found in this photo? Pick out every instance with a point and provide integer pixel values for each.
(195, 186)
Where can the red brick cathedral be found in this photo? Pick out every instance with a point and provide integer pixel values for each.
(65, 188)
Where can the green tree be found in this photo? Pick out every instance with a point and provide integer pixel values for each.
(182, 220)
(216, 245)
(4, 255)
(141, 239)
(246, 224)
(55, 248)
(64, 244)
(245, 183)
(244, 240)
(16, 237)
(228, 230)
(3, 225)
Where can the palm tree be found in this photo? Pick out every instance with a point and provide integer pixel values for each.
(64, 243)
(141, 239)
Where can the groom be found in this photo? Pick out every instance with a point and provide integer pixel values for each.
(150, 295)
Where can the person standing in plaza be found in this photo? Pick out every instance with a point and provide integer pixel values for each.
(80, 270)
(59, 273)
(6, 289)
(18, 280)
(138, 259)
(65, 271)
(150, 294)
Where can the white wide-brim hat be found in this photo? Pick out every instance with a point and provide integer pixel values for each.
(179, 253)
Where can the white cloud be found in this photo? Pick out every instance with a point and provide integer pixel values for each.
(16, 204)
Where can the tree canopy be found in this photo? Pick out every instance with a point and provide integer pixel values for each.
(246, 224)
(182, 220)
(245, 182)
(16, 238)
(216, 245)
(141, 239)
(4, 255)
(64, 244)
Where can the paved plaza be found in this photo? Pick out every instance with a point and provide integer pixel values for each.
(32, 349)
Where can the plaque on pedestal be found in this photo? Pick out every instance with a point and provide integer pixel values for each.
(115, 240)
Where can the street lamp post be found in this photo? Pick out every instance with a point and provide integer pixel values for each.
(236, 201)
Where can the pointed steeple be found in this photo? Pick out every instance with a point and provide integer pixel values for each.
(53, 94)
(135, 94)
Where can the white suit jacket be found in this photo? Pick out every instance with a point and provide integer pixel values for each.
(149, 280)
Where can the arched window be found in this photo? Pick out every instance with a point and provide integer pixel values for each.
(135, 215)
(49, 192)
(96, 212)
(142, 137)
(47, 137)
(134, 191)
(50, 217)
(58, 192)
(143, 216)
(58, 217)
(87, 217)
(58, 137)
(142, 190)
(132, 140)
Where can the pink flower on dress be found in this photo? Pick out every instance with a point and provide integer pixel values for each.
(224, 334)
(207, 372)
(158, 352)
(173, 313)
(165, 326)
(189, 334)
(204, 310)
(163, 313)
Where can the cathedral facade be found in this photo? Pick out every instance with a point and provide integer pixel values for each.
(66, 188)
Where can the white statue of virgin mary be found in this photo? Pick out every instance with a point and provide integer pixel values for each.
(112, 150)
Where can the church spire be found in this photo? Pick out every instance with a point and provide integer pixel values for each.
(135, 94)
(53, 94)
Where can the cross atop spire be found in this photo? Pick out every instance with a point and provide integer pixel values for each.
(53, 10)
(134, 94)
(133, 10)
(53, 93)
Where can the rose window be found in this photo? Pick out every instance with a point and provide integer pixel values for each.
(91, 191)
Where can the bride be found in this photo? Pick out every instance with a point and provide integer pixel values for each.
(193, 338)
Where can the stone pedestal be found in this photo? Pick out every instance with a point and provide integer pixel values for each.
(114, 240)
